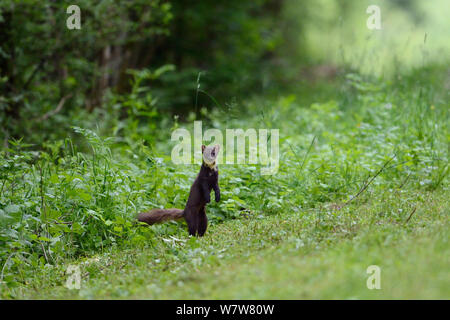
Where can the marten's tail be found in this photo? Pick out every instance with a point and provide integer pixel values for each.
(160, 215)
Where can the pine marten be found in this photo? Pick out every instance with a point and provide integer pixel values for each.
(195, 211)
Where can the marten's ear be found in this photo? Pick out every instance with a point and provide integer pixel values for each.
(217, 147)
(203, 148)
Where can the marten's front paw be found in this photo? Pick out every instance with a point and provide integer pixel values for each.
(208, 199)
(218, 198)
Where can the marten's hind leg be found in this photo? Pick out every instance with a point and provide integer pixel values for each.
(191, 218)
(202, 222)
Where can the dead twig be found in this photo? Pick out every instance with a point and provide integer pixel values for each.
(56, 110)
(45, 253)
(411, 214)
(364, 187)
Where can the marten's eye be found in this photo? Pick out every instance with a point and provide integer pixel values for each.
(213, 153)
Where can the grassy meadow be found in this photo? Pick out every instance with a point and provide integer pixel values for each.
(362, 180)
(87, 116)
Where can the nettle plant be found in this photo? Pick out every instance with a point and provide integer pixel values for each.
(60, 203)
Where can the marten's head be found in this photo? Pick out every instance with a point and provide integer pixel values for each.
(210, 155)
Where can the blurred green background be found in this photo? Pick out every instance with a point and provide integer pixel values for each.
(138, 63)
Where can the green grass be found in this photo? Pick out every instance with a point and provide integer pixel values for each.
(306, 255)
(300, 233)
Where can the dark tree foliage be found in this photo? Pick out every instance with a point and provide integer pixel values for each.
(51, 75)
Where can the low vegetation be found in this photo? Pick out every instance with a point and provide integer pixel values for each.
(363, 180)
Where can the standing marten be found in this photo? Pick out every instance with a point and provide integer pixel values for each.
(195, 211)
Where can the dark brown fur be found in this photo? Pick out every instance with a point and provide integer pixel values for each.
(195, 211)
(160, 215)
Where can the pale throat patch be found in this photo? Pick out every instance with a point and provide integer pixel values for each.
(210, 156)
